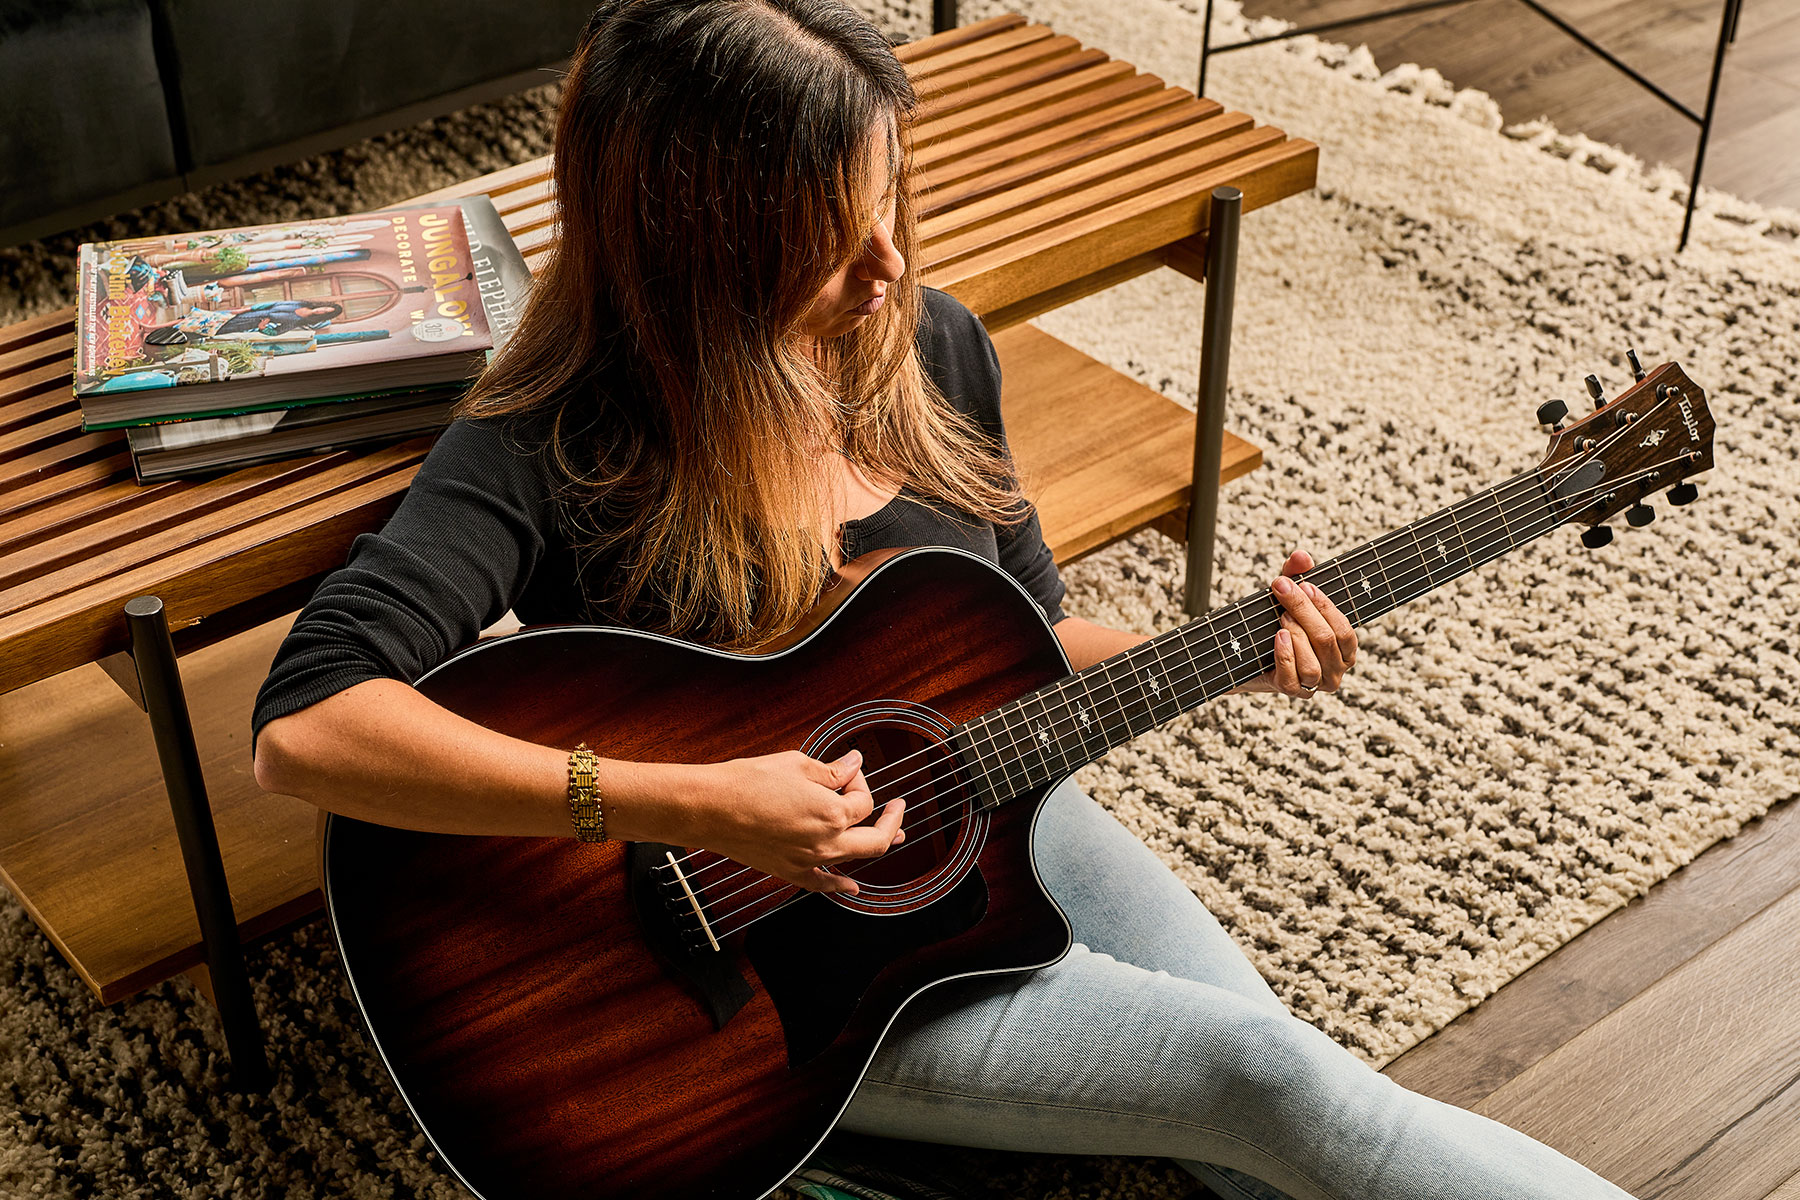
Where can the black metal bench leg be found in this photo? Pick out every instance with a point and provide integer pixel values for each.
(1215, 367)
(943, 15)
(160, 682)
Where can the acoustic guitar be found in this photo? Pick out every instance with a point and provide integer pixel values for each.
(579, 1020)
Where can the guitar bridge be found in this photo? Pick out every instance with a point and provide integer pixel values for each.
(710, 975)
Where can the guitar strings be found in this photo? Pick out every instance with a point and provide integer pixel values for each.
(987, 739)
(1207, 683)
(953, 818)
(1483, 538)
(1519, 486)
(956, 817)
(786, 893)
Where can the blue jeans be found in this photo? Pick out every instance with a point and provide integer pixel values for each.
(1155, 1036)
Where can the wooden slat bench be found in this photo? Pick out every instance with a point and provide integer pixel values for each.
(1045, 172)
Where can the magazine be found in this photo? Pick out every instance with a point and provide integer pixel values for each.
(272, 316)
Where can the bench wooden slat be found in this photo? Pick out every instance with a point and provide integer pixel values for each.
(87, 624)
(928, 130)
(1049, 256)
(939, 43)
(68, 537)
(59, 323)
(1050, 206)
(52, 404)
(31, 358)
(27, 524)
(1082, 115)
(978, 49)
(58, 456)
(1041, 169)
(48, 488)
(1033, 56)
(990, 87)
(186, 541)
(1103, 183)
(56, 427)
(44, 390)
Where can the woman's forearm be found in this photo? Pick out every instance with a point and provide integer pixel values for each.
(380, 751)
(1086, 643)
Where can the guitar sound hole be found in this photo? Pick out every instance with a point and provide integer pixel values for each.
(899, 761)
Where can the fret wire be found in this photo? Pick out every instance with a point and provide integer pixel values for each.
(1051, 719)
(1363, 590)
(1333, 567)
(1005, 788)
(1084, 718)
(1194, 670)
(993, 744)
(963, 743)
(1218, 642)
(1504, 534)
(1249, 637)
(1493, 495)
(1119, 706)
(1018, 773)
(1043, 736)
(1457, 526)
(1439, 547)
(1152, 683)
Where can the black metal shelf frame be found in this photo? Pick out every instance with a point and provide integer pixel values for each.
(1728, 25)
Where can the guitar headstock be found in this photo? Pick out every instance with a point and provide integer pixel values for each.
(1651, 437)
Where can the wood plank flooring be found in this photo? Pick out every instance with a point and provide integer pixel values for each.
(1533, 70)
(1662, 1046)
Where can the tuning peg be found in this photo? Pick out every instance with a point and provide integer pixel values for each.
(1596, 391)
(1551, 412)
(1637, 368)
(1596, 537)
(1639, 515)
(1683, 493)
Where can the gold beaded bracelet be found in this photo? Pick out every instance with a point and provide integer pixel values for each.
(584, 796)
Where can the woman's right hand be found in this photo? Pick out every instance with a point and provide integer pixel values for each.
(794, 817)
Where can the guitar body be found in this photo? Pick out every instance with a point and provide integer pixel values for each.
(554, 1012)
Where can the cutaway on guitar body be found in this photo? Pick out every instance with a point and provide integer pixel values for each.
(556, 1014)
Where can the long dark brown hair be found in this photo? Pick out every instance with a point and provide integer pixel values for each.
(713, 171)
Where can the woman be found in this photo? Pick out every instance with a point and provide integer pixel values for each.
(725, 384)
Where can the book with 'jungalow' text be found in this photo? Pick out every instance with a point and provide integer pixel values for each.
(275, 316)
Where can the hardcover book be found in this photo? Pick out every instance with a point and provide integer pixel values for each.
(211, 444)
(274, 316)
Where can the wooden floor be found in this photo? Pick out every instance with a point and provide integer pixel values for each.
(1533, 70)
(1662, 1047)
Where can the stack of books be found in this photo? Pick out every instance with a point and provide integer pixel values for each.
(217, 350)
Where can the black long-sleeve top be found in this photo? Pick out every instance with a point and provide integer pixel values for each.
(482, 531)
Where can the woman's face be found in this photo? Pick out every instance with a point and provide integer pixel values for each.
(859, 288)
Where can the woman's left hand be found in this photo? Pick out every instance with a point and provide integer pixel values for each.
(1315, 644)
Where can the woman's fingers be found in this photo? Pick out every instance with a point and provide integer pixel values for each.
(1340, 624)
(1318, 648)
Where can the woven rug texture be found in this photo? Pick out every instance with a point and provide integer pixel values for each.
(1515, 755)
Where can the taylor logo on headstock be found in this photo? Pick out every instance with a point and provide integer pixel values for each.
(1599, 465)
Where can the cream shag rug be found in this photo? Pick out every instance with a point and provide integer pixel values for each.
(1515, 756)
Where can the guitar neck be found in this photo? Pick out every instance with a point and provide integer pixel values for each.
(1045, 735)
